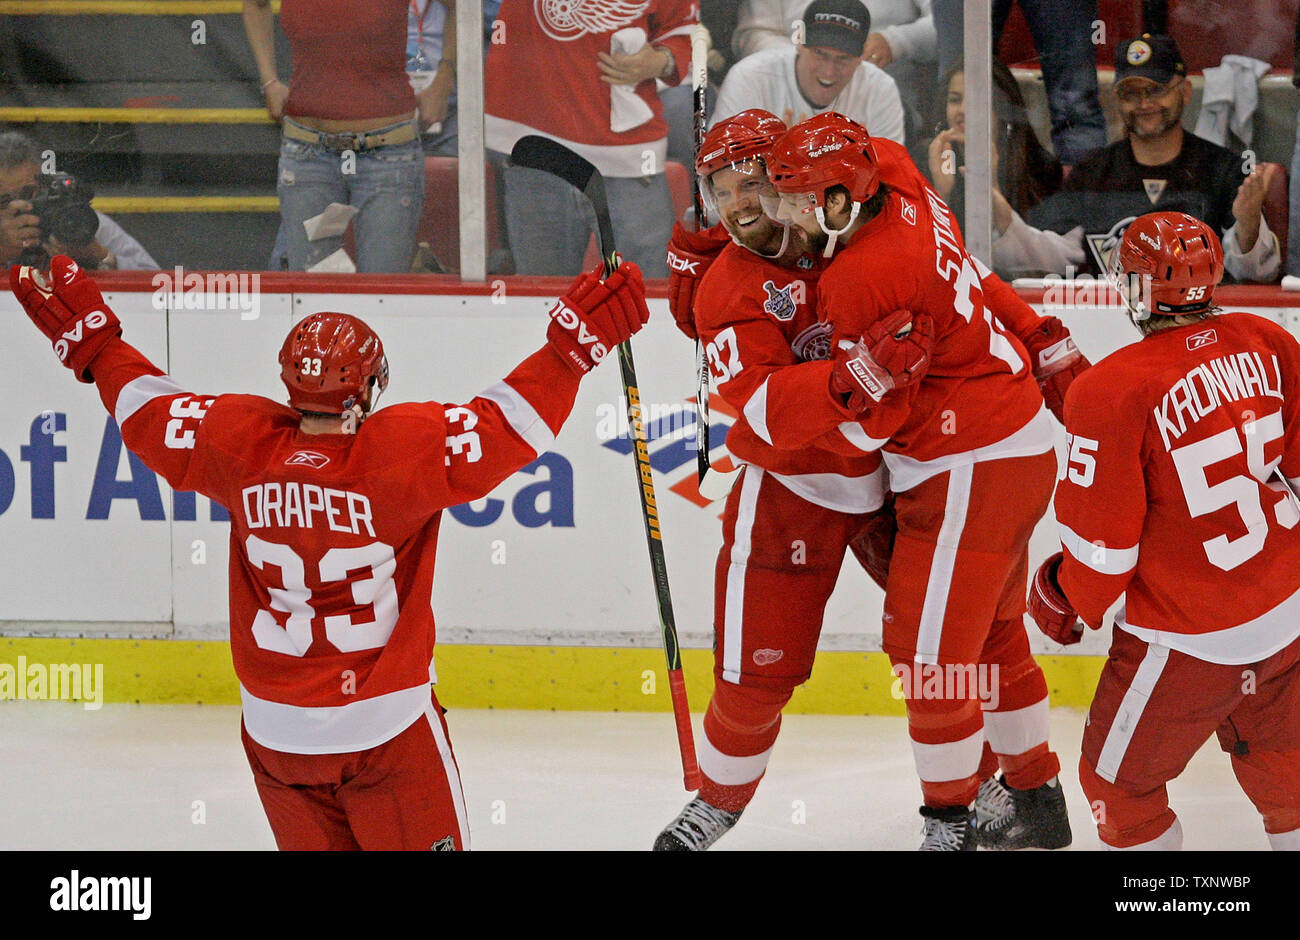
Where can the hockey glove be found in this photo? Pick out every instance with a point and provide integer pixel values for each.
(893, 354)
(68, 308)
(1049, 606)
(874, 545)
(689, 256)
(1056, 361)
(596, 315)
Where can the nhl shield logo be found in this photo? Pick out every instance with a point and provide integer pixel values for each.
(446, 844)
(780, 302)
(307, 458)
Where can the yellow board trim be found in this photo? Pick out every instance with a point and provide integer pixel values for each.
(124, 205)
(123, 7)
(565, 678)
(135, 115)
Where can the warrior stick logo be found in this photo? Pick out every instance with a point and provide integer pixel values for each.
(565, 20)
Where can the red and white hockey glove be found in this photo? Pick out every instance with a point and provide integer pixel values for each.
(893, 354)
(68, 308)
(1049, 606)
(1056, 361)
(596, 314)
(874, 545)
(689, 256)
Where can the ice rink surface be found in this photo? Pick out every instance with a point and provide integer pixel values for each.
(174, 777)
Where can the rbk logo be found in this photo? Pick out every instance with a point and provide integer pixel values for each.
(307, 458)
(681, 265)
(909, 211)
(1203, 338)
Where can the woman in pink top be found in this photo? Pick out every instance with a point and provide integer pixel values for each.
(350, 130)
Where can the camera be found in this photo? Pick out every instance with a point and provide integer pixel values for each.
(63, 206)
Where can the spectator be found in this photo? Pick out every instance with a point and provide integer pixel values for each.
(109, 248)
(589, 82)
(825, 73)
(1293, 224)
(431, 60)
(1022, 168)
(1158, 167)
(350, 131)
(1062, 32)
(902, 42)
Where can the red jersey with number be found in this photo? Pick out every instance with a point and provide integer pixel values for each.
(544, 78)
(978, 399)
(1178, 489)
(333, 536)
(770, 356)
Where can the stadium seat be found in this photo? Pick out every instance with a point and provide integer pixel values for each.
(1277, 208)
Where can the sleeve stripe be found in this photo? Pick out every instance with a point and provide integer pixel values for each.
(859, 438)
(139, 392)
(522, 417)
(1097, 555)
(756, 413)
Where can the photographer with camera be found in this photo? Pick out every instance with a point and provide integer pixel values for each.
(42, 215)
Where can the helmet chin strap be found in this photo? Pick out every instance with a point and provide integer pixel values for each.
(785, 243)
(835, 233)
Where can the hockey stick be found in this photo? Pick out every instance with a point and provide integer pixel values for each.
(541, 153)
(713, 484)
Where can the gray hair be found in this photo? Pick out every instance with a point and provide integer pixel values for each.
(17, 149)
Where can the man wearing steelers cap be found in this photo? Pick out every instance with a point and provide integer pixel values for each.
(1160, 166)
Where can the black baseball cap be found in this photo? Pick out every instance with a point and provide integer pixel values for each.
(837, 24)
(1152, 57)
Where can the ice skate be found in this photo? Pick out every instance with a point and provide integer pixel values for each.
(1008, 818)
(948, 830)
(698, 827)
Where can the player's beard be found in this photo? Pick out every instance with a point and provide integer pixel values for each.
(763, 236)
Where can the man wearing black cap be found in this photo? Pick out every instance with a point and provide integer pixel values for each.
(1159, 166)
(825, 72)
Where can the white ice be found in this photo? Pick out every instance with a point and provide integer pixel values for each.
(175, 777)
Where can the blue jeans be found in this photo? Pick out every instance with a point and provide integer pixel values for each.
(1062, 33)
(550, 223)
(385, 184)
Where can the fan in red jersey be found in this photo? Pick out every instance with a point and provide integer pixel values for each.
(1179, 493)
(794, 512)
(334, 514)
(968, 448)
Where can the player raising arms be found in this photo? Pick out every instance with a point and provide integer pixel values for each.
(793, 513)
(970, 459)
(1179, 492)
(334, 515)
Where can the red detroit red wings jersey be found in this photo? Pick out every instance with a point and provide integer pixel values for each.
(544, 78)
(333, 537)
(770, 355)
(978, 393)
(1173, 490)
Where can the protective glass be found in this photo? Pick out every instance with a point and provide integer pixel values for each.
(789, 207)
(728, 186)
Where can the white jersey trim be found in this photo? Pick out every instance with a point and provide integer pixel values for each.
(728, 770)
(1130, 710)
(1035, 437)
(855, 435)
(522, 417)
(139, 392)
(332, 729)
(838, 492)
(934, 611)
(619, 161)
(452, 771)
(756, 414)
(1097, 556)
(1247, 642)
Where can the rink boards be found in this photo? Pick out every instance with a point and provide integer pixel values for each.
(543, 592)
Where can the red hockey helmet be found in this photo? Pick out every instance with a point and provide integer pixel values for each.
(1167, 263)
(826, 150)
(328, 360)
(738, 138)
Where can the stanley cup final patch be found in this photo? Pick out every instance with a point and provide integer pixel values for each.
(780, 302)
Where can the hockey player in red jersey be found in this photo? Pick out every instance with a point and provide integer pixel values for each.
(334, 520)
(793, 513)
(969, 453)
(1179, 494)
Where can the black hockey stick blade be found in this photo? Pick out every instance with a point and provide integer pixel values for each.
(542, 153)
